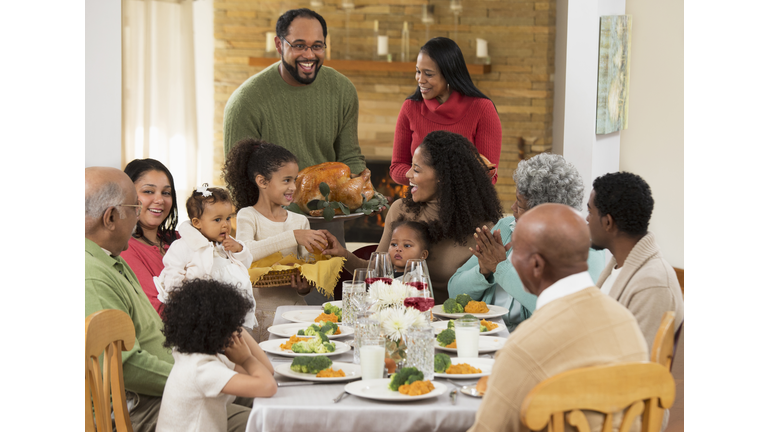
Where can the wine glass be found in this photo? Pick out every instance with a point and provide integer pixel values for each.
(380, 268)
(420, 297)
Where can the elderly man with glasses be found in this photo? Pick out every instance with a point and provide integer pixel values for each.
(297, 103)
(111, 284)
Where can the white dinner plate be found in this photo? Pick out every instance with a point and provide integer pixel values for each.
(485, 345)
(493, 312)
(336, 303)
(352, 372)
(302, 315)
(288, 330)
(273, 347)
(442, 325)
(378, 389)
(484, 364)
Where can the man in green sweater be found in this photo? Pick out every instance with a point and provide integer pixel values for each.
(111, 213)
(297, 103)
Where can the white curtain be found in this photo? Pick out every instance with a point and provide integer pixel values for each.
(159, 97)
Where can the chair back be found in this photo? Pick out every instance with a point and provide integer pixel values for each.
(634, 388)
(110, 332)
(664, 343)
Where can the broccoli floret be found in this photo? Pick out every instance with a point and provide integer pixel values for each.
(331, 309)
(318, 345)
(483, 329)
(442, 361)
(404, 376)
(300, 333)
(302, 347)
(312, 330)
(301, 364)
(451, 306)
(463, 299)
(446, 337)
(316, 364)
(323, 337)
(469, 316)
(450, 324)
(329, 347)
(328, 328)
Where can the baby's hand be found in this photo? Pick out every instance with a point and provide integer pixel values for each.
(237, 351)
(231, 245)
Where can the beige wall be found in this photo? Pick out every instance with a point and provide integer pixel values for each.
(652, 146)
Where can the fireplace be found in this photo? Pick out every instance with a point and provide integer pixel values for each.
(368, 229)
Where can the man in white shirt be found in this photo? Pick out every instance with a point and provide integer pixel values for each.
(573, 326)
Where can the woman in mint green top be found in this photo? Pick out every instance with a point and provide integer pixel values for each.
(545, 178)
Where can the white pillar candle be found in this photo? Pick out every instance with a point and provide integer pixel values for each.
(270, 42)
(482, 48)
(383, 45)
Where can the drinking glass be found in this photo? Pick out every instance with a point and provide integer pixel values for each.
(420, 297)
(372, 357)
(366, 325)
(380, 268)
(421, 350)
(351, 293)
(363, 300)
(467, 336)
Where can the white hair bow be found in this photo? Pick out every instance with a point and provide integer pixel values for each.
(204, 190)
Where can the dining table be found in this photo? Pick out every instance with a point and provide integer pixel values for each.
(310, 407)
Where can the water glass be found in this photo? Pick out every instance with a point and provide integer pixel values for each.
(372, 357)
(351, 294)
(467, 336)
(421, 350)
(365, 326)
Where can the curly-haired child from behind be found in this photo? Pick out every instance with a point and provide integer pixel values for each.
(206, 250)
(262, 179)
(214, 360)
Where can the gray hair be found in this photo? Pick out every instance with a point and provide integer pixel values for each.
(549, 178)
(108, 195)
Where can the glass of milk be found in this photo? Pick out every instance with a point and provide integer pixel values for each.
(467, 336)
(372, 357)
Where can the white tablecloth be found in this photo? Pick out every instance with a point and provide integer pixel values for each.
(311, 408)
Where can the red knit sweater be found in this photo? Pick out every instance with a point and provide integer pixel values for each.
(474, 118)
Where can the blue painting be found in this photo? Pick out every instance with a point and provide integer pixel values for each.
(613, 73)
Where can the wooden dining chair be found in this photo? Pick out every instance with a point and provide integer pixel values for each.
(635, 388)
(663, 348)
(110, 332)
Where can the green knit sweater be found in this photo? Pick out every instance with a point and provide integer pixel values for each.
(316, 122)
(111, 284)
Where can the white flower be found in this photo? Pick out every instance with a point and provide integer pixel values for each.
(396, 321)
(204, 190)
(388, 295)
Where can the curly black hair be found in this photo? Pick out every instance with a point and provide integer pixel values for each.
(421, 229)
(201, 315)
(285, 20)
(627, 198)
(247, 159)
(466, 197)
(450, 61)
(197, 202)
(135, 169)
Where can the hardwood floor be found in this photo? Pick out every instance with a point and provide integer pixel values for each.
(676, 413)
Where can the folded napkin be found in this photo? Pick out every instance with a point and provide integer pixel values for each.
(321, 271)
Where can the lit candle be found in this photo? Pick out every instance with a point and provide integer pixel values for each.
(270, 42)
(482, 48)
(383, 45)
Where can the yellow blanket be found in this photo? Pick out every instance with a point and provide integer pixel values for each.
(323, 273)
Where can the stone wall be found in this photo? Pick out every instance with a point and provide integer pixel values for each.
(521, 41)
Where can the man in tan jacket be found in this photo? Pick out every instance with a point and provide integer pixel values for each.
(574, 324)
(637, 276)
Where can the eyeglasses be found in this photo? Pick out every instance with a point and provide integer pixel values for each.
(318, 48)
(138, 207)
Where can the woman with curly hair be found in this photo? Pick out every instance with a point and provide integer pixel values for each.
(262, 179)
(488, 275)
(214, 360)
(445, 99)
(452, 193)
(156, 228)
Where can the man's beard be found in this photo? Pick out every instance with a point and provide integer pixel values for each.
(596, 247)
(294, 71)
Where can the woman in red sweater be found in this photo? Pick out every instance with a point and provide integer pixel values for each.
(445, 99)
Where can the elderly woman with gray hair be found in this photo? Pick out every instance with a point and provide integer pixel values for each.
(488, 275)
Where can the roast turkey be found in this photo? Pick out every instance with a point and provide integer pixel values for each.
(344, 189)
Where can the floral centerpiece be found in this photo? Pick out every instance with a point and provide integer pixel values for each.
(394, 316)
